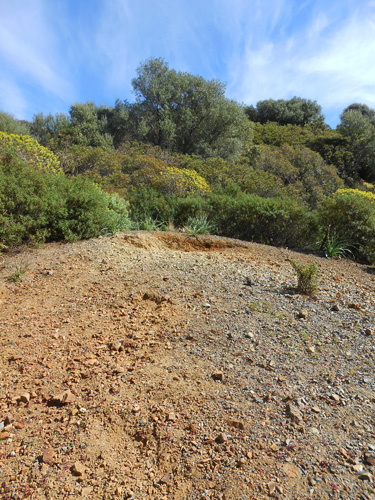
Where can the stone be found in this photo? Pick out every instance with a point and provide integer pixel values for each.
(221, 438)
(311, 349)
(237, 424)
(218, 376)
(165, 479)
(335, 307)
(48, 455)
(291, 470)
(316, 409)
(368, 331)
(302, 314)
(78, 469)
(271, 487)
(118, 491)
(335, 398)
(25, 398)
(171, 417)
(369, 458)
(365, 476)
(294, 413)
(19, 424)
(63, 398)
(4, 435)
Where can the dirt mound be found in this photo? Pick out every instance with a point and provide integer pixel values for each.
(162, 366)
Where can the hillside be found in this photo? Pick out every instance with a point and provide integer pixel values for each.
(160, 366)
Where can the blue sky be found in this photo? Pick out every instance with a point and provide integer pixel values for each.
(54, 53)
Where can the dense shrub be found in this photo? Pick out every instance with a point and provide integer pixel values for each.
(30, 150)
(37, 206)
(272, 221)
(351, 213)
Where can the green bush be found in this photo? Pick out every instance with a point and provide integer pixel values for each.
(351, 214)
(274, 221)
(307, 276)
(37, 206)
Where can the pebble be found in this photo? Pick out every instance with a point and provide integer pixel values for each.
(303, 314)
(294, 413)
(218, 376)
(48, 455)
(78, 469)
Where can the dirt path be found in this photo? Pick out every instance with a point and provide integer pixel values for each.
(156, 366)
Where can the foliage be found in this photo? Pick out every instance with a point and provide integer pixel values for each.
(297, 172)
(307, 276)
(167, 179)
(29, 150)
(185, 113)
(336, 246)
(20, 269)
(351, 212)
(10, 125)
(199, 225)
(359, 131)
(38, 206)
(274, 134)
(46, 128)
(296, 111)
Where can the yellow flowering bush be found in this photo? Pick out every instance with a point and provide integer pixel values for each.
(29, 150)
(168, 179)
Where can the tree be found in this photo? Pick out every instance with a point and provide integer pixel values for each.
(359, 131)
(46, 128)
(296, 111)
(363, 109)
(185, 113)
(10, 125)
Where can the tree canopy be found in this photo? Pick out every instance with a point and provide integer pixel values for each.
(296, 111)
(186, 113)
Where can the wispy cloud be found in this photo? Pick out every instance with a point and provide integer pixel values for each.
(54, 53)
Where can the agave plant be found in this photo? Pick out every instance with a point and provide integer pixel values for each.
(335, 247)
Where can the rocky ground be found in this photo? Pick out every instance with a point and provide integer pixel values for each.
(156, 366)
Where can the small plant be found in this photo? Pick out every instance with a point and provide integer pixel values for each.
(334, 247)
(19, 270)
(198, 225)
(149, 224)
(307, 276)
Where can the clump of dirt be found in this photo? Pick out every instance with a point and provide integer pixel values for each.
(160, 365)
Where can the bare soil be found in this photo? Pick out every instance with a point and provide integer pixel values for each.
(161, 366)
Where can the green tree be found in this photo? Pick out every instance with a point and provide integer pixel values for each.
(296, 111)
(185, 113)
(10, 124)
(46, 128)
(359, 131)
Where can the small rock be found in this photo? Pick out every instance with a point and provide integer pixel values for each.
(311, 349)
(281, 379)
(48, 455)
(369, 458)
(368, 331)
(19, 424)
(25, 398)
(221, 438)
(165, 479)
(241, 462)
(118, 491)
(335, 307)
(87, 491)
(4, 435)
(218, 376)
(357, 468)
(303, 314)
(78, 469)
(336, 398)
(171, 417)
(365, 476)
(63, 398)
(294, 413)
(271, 487)
(354, 305)
(237, 424)
(316, 409)
(291, 470)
